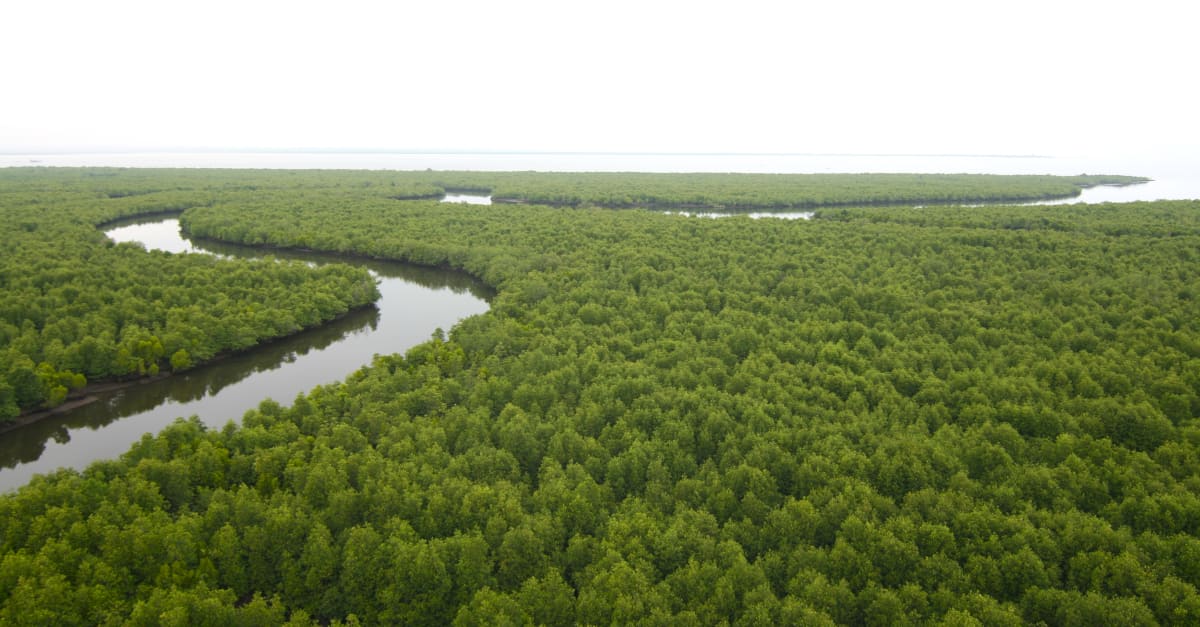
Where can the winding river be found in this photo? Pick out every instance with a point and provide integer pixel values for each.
(414, 303)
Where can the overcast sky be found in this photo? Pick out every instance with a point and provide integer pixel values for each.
(1011, 77)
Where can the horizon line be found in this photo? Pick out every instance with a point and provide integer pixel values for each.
(446, 151)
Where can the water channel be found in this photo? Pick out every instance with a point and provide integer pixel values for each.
(414, 303)
(1094, 194)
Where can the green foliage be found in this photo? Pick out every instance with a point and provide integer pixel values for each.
(784, 191)
(732, 192)
(883, 416)
(78, 308)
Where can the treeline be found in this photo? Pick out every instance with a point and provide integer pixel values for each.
(725, 191)
(79, 309)
(202, 183)
(881, 416)
(776, 191)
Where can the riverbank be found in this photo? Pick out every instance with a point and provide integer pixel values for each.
(780, 192)
(413, 302)
(92, 392)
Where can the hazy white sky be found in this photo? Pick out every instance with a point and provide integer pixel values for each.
(1011, 77)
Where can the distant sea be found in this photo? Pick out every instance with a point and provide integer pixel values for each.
(1174, 177)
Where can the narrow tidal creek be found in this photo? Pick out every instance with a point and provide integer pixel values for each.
(414, 303)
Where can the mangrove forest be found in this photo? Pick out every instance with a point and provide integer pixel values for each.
(946, 414)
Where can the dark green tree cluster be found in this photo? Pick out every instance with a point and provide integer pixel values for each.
(729, 191)
(79, 309)
(197, 185)
(881, 416)
(779, 191)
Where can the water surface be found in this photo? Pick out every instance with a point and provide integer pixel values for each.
(414, 302)
(470, 199)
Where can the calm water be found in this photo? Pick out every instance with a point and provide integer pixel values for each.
(415, 302)
(470, 199)
(782, 215)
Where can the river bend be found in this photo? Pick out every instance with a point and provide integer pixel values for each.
(414, 303)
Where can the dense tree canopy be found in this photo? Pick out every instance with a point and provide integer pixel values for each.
(945, 415)
(781, 191)
(78, 308)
